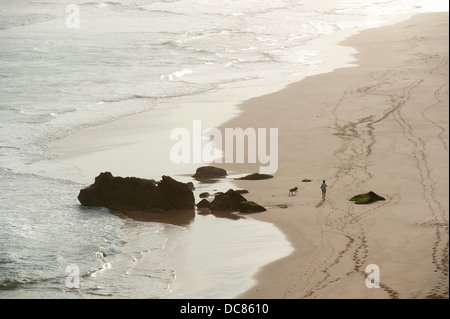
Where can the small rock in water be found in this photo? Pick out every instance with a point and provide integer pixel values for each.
(210, 172)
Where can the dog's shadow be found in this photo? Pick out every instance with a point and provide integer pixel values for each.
(320, 203)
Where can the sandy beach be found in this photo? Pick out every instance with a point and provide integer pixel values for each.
(381, 126)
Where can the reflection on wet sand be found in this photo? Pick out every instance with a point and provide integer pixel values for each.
(174, 217)
(208, 180)
(220, 214)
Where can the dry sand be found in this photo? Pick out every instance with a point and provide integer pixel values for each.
(381, 126)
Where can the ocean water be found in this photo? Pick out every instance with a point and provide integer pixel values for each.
(128, 57)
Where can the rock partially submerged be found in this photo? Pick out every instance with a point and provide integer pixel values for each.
(366, 198)
(210, 172)
(255, 176)
(137, 194)
(250, 207)
(227, 201)
(233, 201)
(204, 203)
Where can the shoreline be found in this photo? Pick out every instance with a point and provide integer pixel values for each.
(358, 129)
(314, 236)
(126, 147)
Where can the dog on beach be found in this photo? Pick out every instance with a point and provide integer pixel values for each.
(293, 191)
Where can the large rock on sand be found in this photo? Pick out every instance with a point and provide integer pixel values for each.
(227, 201)
(366, 198)
(137, 194)
(210, 172)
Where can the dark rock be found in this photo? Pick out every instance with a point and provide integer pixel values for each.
(227, 201)
(250, 207)
(210, 172)
(190, 185)
(306, 180)
(177, 194)
(137, 194)
(241, 191)
(255, 176)
(204, 195)
(366, 198)
(204, 203)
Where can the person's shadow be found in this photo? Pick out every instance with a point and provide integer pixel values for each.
(320, 203)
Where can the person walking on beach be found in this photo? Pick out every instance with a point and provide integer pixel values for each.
(324, 189)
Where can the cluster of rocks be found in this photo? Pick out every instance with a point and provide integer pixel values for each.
(138, 194)
(231, 200)
(146, 195)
